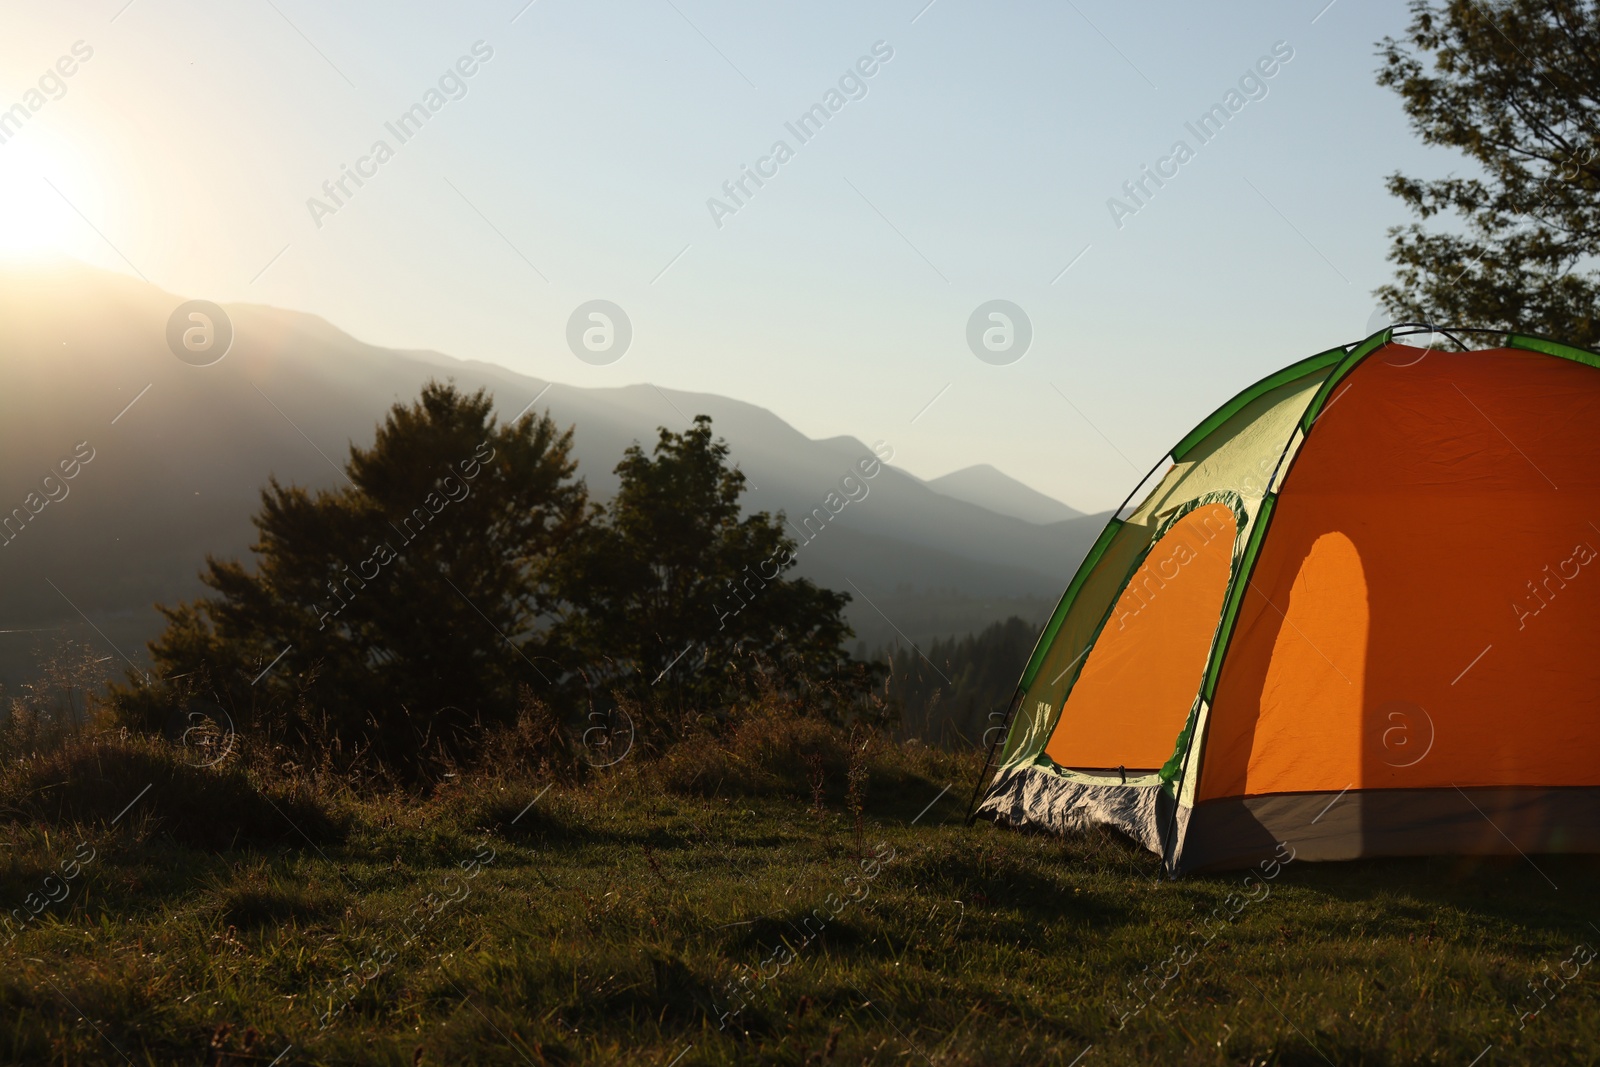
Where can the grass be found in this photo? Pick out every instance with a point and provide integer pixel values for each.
(703, 907)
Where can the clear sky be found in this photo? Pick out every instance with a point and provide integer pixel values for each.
(577, 160)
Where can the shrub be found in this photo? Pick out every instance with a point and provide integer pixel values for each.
(381, 607)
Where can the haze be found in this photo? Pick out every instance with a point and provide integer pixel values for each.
(577, 160)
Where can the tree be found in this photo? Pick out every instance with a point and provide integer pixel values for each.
(396, 609)
(1513, 85)
(671, 593)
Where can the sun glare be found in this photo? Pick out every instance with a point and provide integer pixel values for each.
(36, 223)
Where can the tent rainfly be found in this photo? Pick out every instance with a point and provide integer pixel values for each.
(1356, 613)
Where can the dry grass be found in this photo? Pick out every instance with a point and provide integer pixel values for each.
(669, 907)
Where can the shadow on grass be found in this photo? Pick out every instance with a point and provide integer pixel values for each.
(260, 896)
(1548, 893)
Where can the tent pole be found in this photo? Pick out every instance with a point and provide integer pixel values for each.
(1016, 700)
(1005, 728)
(1169, 847)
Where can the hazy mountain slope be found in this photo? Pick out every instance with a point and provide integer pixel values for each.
(997, 491)
(177, 474)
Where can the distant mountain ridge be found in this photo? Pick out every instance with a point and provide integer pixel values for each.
(181, 454)
(988, 487)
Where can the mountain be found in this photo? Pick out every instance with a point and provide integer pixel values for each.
(991, 488)
(179, 453)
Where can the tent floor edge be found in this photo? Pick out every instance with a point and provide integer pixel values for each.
(1030, 796)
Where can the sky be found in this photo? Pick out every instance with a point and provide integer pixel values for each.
(585, 156)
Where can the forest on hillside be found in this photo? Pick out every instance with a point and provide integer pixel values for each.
(955, 692)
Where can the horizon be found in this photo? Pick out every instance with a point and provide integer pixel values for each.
(841, 282)
(67, 265)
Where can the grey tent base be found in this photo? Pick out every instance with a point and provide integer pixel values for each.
(1241, 831)
(1040, 798)
(1238, 832)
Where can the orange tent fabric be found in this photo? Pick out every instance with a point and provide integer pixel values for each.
(1424, 608)
(1139, 681)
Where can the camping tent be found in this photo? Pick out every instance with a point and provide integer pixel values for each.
(1357, 613)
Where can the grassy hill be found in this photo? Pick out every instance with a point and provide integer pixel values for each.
(721, 902)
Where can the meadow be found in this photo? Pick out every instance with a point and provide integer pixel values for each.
(785, 892)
